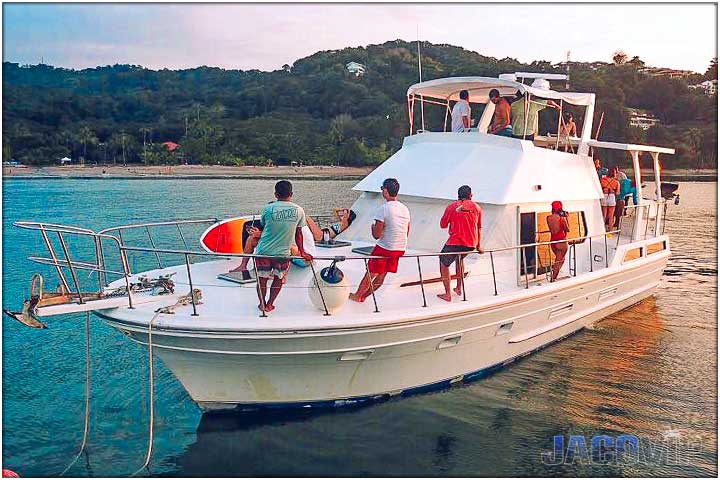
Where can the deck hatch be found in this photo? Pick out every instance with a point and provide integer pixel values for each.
(607, 293)
(449, 342)
(556, 312)
(355, 356)
(504, 328)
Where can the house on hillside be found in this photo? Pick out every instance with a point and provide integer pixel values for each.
(581, 65)
(665, 72)
(642, 118)
(708, 86)
(358, 69)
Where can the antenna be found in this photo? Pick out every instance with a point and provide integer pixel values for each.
(418, 48)
(567, 71)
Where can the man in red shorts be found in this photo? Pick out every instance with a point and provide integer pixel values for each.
(464, 217)
(391, 229)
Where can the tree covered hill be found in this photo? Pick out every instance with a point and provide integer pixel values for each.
(313, 112)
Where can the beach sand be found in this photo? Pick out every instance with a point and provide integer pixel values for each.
(309, 172)
(185, 171)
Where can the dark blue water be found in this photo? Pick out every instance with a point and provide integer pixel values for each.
(649, 371)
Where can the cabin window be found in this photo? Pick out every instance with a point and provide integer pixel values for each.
(632, 254)
(534, 229)
(656, 247)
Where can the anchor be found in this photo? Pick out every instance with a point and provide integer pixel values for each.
(39, 298)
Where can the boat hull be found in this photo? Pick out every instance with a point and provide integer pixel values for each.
(224, 370)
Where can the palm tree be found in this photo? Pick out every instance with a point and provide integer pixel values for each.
(86, 136)
(144, 131)
(694, 139)
(339, 127)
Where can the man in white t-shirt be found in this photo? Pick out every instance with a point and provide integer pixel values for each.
(391, 229)
(461, 113)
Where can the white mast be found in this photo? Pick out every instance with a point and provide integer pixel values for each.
(567, 71)
(422, 103)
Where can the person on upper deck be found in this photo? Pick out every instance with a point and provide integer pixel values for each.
(619, 174)
(524, 112)
(610, 187)
(598, 166)
(627, 188)
(391, 228)
(464, 217)
(282, 223)
(619, 198)
(461, 113)
(557, 223)
(500, 124)
(568, 130)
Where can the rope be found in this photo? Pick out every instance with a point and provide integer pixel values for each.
(184, 300)
(151, 387)
(88, 376)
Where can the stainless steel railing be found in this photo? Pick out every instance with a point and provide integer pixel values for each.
(123, 249)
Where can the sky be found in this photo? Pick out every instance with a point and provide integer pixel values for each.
(266, 36)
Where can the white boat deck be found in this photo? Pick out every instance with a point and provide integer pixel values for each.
(228, 306)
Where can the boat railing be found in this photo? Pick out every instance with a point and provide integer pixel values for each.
(66, 261)
(99, 264)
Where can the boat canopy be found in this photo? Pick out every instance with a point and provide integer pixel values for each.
(479, 88)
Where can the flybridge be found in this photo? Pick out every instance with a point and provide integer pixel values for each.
(442, 91)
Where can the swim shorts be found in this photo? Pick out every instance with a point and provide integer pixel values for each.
(448, 260)
(272, 267)
(384, 265)
(608, 200)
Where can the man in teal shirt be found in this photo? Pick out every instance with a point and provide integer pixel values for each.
(517, 112)
(282, 225)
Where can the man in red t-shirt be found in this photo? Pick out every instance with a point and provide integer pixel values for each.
(464, 217)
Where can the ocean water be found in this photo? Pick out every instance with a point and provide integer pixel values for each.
(649, 371)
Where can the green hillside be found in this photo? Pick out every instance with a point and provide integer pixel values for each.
(313, 112)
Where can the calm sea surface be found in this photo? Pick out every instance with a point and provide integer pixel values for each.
(649, 371)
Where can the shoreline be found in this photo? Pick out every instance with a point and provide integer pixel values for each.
(216, 172)
(184, 172)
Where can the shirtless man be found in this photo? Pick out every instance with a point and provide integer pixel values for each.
(558, 225)
(500, 124)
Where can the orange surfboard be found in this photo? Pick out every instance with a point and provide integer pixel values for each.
(228, 236)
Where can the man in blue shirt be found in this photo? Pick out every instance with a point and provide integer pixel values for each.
(282, 225)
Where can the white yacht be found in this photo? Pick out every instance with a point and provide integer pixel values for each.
(317, 348)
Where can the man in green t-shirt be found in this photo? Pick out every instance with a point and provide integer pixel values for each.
(517, 112)
(282, 225)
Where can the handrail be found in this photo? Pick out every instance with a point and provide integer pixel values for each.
(353, 257)
(123, 250)
(30, 225)
(160, 224)
(101, 234)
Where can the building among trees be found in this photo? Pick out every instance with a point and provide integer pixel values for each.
(641, 119)
(708, 86)
(358, 69)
